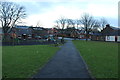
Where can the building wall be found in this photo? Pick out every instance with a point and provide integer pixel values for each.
(110, 38)
(0, 33)
(82, 36)
(118, 38)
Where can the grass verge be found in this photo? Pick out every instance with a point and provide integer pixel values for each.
(101, 57)
(25, 61)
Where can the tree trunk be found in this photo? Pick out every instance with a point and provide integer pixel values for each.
(86, 34)
(62, 40)
(86, 37)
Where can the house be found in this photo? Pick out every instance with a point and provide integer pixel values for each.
(70, 32)
(82, 35)
(52, 31)
(110, 33)
(28, 32)
(96, 36)
(39, 32)
(61, 33)
(1, 33)
(21, 32)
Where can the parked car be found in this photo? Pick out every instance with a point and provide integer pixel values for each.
(20, 37)
(29, 36)
(37, 37)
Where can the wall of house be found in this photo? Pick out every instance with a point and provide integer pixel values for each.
(82, 36)
(110, 38)
(0, 36)
(0, 33)
(118, 38)
(96, 38)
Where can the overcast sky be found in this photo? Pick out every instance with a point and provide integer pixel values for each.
(45, 12)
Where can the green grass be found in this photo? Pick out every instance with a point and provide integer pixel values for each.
(101, 57)
(25, 61)
(0, 62)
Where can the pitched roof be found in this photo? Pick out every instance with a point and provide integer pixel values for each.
(116, 33)
(22, 27)
(24, 31)
(96, 33)
(115, 28)
(38, 28)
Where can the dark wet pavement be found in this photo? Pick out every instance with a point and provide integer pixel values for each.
(67, 63)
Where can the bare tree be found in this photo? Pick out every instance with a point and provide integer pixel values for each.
(103, 23)
(96, 27)
(88, 21)
(77, 23)
(61, 24)
(38, 24)
(65, 23)
(100, 24)
(68, 21)
(73, 27)
(10, 14)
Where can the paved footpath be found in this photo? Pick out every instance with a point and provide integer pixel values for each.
(67, 63)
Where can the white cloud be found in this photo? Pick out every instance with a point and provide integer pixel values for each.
(89, 1)
(103, 10)
(47, 19)
(71, 9)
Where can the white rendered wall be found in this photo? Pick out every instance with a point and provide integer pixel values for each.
(118, 38)
(110, 38)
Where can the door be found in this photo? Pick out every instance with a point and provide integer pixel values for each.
(115, 38)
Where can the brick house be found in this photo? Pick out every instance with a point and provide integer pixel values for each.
(39, 32)
(110, 33)
(1, 33)
(96, 36)
(21, 32)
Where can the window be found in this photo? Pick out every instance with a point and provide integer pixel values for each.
(108, 37)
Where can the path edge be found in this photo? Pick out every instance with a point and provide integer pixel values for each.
(89, 72)
(32, 77)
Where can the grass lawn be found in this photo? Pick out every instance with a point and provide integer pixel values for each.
(0, 61)
(101, 57)
(25, 61)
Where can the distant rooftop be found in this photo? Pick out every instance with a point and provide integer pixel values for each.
(22, 27)
(115, 28)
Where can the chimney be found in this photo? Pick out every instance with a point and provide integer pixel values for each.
(108, 25)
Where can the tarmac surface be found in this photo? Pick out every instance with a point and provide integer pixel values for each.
(66, 63)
